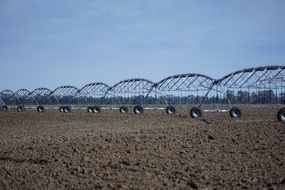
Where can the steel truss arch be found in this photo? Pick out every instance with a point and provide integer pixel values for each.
(21, 96)
(131, 91)
(6, 93)
(132, 86)
(21, 93)
(39, 92)
(66, 90)
(187, 88)
(9, 97)
(93, 93)
(97, 89)
(257, 85)
(64, 95)
(254, 77)
(6, 96)
(185, 82)
(39, 95)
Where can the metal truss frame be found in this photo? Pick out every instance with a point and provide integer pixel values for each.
(63, 91)
(131, 88)
(96, 90)
(6, 94)
(185, 82)
(138, 91)
(20, 95)
(38, 93)
(183, 85)
(256, 78)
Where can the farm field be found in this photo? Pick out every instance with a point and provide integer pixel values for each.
(53, 150)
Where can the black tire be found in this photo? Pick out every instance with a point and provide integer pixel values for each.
(61, 108)
(4, 108)
(235, 112)
(123, 109)
(67, 109)
(96, 109)
(138, 110)
(40, 109)
(196, 112)
(170, 110)
(89, 109)
(20, 108)
(281, 115)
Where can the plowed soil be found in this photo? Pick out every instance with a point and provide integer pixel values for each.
(53, 150)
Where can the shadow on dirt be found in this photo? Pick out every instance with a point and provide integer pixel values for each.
(21, 161)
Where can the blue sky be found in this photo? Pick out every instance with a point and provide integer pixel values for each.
(74, 42)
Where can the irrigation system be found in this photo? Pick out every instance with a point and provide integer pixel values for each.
(258, 85)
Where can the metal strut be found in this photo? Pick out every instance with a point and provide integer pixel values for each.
(206, 95)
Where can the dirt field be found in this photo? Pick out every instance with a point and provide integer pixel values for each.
(54, 150)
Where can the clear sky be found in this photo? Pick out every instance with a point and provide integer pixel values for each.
(74, 42)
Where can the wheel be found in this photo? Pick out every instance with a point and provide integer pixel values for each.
(5, 108)
(61, 109)
(170, 110)
(66, 109)
(20, 108)
(40, 109)
(138, 110)
(96, 109)
(196, 112)
(281, 115)
(123, 109)
(235, 112)
(89, 109)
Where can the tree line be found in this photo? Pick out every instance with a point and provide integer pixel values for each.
(238, 97)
